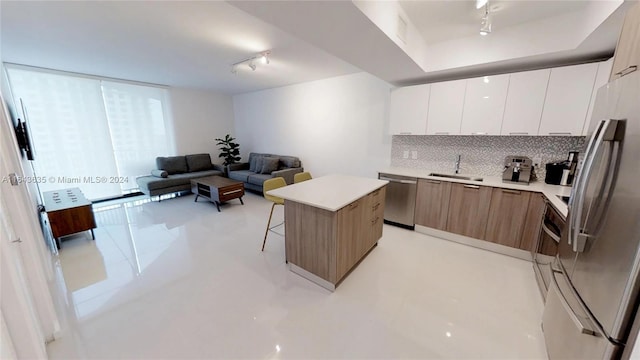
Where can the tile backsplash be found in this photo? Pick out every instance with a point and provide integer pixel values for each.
(481, 155)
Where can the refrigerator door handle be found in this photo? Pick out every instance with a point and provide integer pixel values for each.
(577, 321)
(576, 191)
(594, 220)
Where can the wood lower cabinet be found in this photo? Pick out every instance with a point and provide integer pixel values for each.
(507, 216)
(432, 203)
(468, 210)
(533, 222)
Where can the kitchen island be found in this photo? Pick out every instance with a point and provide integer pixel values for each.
(331, 223)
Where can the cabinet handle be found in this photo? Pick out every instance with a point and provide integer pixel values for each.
(376, 206)
(561, 133)
(519, 133)
(515, 192)
(375, 220)
(353, 205)
(627, 70)
(405, 133)
(432, 181)
(479, 133)
(472, 186)
(442, 133)
(375, 193)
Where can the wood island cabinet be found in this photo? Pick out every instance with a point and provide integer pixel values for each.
(468, 210)
(507, 216)
(432, 203)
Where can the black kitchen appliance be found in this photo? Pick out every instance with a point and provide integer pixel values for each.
(554, 172)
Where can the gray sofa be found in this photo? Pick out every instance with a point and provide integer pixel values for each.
(174, 173)
(262, 167)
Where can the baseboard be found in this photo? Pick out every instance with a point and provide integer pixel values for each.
(480, 244)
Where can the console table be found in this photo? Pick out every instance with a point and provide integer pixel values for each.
(69, 212)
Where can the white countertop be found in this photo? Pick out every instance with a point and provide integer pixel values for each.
(549, 191)
(331, 192)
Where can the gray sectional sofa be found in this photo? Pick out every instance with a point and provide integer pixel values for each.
(262, 167)
(174, 173)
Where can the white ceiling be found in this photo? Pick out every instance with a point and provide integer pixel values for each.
(177, 43)
(194, 43)
(446, 20)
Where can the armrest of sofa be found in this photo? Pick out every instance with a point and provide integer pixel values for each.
(220, 167)
(238, 166)
(287, 174)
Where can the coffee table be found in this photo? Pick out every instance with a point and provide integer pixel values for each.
(217, 189)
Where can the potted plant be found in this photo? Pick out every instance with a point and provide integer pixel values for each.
(229, 150)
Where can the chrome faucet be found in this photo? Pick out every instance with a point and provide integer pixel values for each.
(457, 169)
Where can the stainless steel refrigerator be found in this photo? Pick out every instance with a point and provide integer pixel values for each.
(594, 293)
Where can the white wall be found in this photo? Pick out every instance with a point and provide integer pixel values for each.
(337, 125)
(198, 118)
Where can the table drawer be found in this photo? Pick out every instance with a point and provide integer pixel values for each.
(230, 192)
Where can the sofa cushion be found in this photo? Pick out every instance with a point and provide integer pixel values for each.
(172, 164)
(258, 179)
(269, 164)
(198, 162)
(240, 175)
(252, 163)
(155, 183)
(290, 161)
(159, 173)
(199, 174)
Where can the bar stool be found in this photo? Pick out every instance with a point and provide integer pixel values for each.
(272, 184)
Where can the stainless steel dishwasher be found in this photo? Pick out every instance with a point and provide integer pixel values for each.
(400, 201)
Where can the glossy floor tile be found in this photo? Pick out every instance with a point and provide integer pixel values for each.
(177, 279)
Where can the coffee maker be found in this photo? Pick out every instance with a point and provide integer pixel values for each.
(518, 169)
(562, 172)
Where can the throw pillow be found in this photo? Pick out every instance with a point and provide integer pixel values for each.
(252, 163)
(159, 173)
(259, 162)
(269, 165)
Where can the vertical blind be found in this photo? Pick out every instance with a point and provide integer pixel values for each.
(89, 133)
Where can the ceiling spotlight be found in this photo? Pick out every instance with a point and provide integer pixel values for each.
(252, 62)
(485, 24)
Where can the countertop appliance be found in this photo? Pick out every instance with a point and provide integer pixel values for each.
(554, 172)
(400, 200)
(591, 309)
(518, 169)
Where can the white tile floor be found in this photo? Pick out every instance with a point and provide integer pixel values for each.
(177, 279)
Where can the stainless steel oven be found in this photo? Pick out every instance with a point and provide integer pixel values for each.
(546, 248)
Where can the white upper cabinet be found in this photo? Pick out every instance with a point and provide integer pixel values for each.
(484, 101)
(602, 78)
(525, 101)
(408, 110)
(567, 100)
(445, 107)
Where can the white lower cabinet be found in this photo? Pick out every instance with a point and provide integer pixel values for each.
(525, 100)
(567, 100)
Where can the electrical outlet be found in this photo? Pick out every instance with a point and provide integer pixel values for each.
(536, 161)
(405, 154)
(414, 154)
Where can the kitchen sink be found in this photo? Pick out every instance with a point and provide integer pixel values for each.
(461, 177)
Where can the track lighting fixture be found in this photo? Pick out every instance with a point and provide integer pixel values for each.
(260, 58)
(485, 24)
